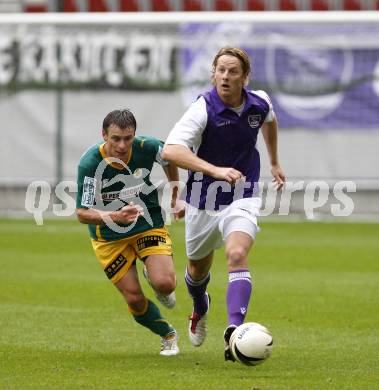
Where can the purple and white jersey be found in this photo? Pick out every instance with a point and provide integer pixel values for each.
(224, 137)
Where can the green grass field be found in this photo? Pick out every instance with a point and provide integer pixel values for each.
(63, 325)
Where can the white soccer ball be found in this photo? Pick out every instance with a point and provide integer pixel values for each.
(251, 343)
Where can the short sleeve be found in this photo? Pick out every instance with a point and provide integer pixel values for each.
(158, 155)
(271, 114)
(189, 129)
(155, 147)
(86, 188)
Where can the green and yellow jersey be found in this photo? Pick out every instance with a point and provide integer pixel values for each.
(105, 184)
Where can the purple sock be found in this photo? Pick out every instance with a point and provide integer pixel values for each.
(238, 296)
(197, 289)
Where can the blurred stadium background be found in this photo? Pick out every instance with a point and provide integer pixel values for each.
(62, 72)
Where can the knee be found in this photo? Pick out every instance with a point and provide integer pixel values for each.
(236, 255)
(136, 302)
(197, 271)
(165, 284)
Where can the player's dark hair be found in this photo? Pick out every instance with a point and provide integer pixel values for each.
(124, 119)
(240, 54)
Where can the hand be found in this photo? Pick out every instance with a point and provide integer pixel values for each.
(129, 213)
(279, 177)
(230, 175)
(178, 208)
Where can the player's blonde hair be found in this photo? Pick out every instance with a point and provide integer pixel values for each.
(240, 54)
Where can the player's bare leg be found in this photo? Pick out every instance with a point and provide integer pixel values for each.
(197, 278)
(130, 288)
(160, 273)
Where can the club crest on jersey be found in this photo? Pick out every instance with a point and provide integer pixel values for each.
(137, 173)
(254, 120)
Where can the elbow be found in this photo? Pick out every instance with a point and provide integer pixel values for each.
(167, 154)
(80, 215)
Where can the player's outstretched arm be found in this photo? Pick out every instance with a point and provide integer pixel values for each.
(270, 135)
(186, 159)
(93, 216)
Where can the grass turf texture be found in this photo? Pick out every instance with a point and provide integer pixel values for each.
(63, 326)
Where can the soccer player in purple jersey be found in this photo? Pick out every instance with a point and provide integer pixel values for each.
(215, 140)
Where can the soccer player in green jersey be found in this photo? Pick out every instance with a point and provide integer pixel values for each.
(120, 205)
